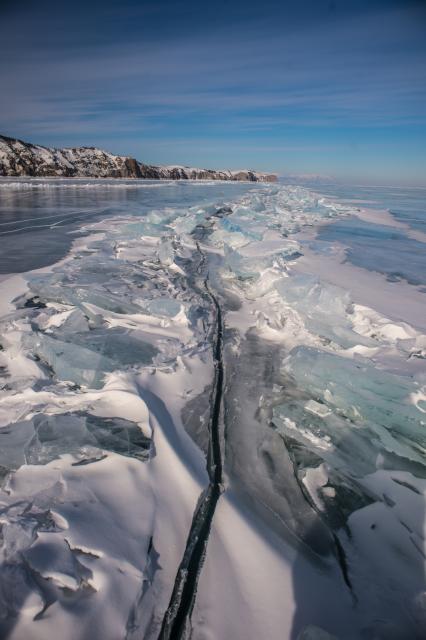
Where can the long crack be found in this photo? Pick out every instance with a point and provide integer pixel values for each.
(176, 621)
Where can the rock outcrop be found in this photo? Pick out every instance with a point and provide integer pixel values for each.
(18, 158)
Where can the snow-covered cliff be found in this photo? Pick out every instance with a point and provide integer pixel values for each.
(18, 158)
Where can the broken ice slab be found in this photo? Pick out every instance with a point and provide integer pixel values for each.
(119, 435)
(166, 251)
(232, 224)
(85, 357)
(70, 362)
(139, 229)
(242, 268)
(14, 440)
(317, 409)
(163, 307)
(120, 346)
(102, 299)
(371, 420)
(317, 302)
(64, 291)
(360, 392)
(69, 321)
(84, 436)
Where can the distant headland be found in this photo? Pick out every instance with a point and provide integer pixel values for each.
(19, 158)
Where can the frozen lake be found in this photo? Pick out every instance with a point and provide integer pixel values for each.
(212, 401)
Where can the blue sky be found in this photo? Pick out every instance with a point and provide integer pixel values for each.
(330, 87)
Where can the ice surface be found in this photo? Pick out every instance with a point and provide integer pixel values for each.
(107, 372)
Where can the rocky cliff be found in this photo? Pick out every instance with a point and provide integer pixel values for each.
(18, 158)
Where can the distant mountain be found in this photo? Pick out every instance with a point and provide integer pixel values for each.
(18, 158)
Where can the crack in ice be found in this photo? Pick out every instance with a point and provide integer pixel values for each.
(176, 620)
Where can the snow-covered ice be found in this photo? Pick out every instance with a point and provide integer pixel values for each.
(107, 368)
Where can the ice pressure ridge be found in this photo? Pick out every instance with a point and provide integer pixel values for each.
(108, 379)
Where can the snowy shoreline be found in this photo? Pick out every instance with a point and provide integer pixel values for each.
(19, 158)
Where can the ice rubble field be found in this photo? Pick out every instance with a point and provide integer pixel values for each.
(107, 367)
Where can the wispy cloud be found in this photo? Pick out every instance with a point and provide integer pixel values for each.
(247, 77)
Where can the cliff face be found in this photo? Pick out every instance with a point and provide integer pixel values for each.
(18, 158)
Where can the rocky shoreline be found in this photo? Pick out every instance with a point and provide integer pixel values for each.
(19, 158)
